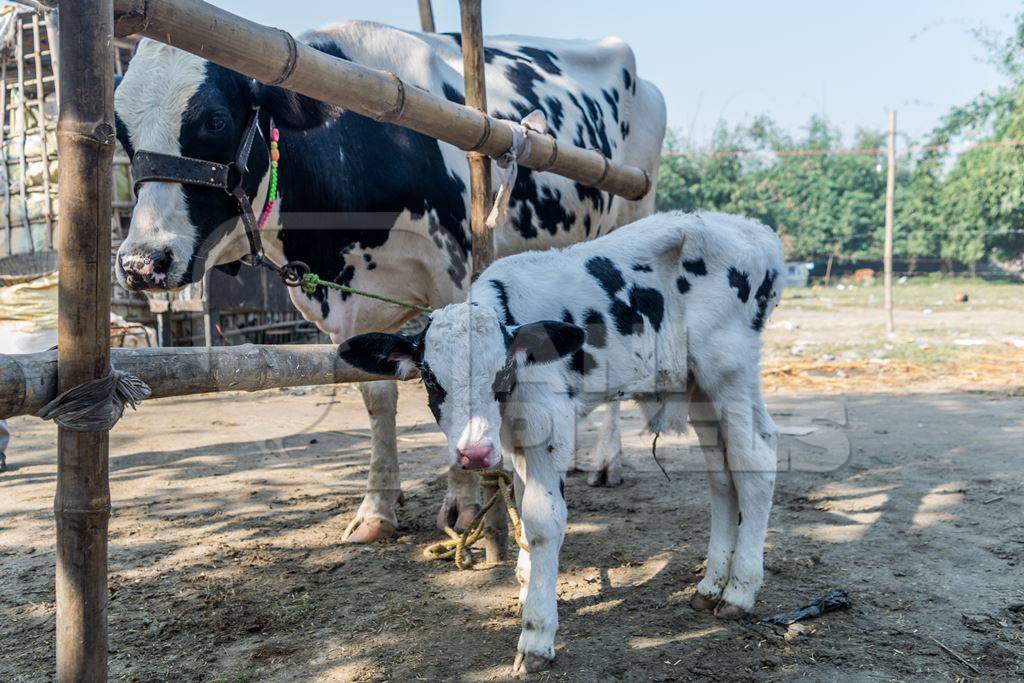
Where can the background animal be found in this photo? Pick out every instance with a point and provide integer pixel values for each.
(374, 205)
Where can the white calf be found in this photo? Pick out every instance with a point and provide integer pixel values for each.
(668, 311)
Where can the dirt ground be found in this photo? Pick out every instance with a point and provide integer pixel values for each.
(904, 488)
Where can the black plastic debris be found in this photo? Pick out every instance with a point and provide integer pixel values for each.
(835, 599)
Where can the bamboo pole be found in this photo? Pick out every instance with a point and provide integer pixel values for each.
(82, 503)
(41, 114)
(4, 122)
(479, 165)
(272, 56)
(495, 526)
(23, 113)
(890, 201)
(426, 16)
(29, 381)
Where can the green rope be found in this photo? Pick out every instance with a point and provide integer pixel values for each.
(310, 281)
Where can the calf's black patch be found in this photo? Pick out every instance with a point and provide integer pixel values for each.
(740, 281)
(506, 313)
(762, 296)
(696, 266)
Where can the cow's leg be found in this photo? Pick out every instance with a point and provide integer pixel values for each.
(377, 517)
(543, 515)
(752, 464)
(523, 561)
(461, 501)
(608, 450)
(724, 504)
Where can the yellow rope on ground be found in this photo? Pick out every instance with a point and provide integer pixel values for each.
(457, 545)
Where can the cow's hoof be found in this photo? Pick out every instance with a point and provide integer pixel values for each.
(454, 515)
(3, 462)
(368, 530)
(703, 603)
(528, 664)
(730, 612)
(609, 475)
(466, 515)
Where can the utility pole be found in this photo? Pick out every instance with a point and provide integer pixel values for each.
(890, 198)
(427, 17)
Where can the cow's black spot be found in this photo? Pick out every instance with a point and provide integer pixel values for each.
(587, 222)
(696, 266)
(567, 317)
(522, 76)
(607, 274)
(555, 112)
(613, 105)
(452, 95)
(597, 330)
(650, 303)
(561, 487)
(333, 200)
(624, 129)
(456, 38)
(123, 137)
(531, 202)
(683, 284)
(762, 296)
(741, 282)
(642, 268)
(545, 59)
(492, 53)
(499, 287)
(627, 79)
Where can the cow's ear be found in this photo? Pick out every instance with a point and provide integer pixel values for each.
(292, 110)
(544, 341)
(381, 354)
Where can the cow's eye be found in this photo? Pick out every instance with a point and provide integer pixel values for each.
(216, 123)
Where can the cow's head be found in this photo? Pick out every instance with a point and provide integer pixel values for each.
(172, 102)
(469, 361)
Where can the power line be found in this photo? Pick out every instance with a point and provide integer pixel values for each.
(873, 151)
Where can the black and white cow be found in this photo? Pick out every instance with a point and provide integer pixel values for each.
(667, 310)
(374, 205)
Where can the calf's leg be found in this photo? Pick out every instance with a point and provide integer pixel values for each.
(608, 450)
(543, 515)
(377, 516)
(724, 503)
(751, 463)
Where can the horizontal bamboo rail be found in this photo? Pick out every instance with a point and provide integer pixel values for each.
(274, 57)
(29, 381)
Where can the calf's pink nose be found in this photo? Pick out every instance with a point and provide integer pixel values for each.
(475, 457)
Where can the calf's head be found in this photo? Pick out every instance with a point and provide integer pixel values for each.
(174, 103)
(468, 361)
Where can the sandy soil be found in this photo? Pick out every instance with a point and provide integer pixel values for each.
(225, 562)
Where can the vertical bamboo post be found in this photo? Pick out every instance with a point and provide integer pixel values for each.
(495, 526)
(23, 115)
(40, 101)
(479, 165)
(5, 176)
(890, 200)
(427, 16)
(82, 504)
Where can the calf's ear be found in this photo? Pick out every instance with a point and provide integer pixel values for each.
(381, 354)
(292, 110)
(544, 341)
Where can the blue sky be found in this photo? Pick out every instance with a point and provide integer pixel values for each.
(735, 59)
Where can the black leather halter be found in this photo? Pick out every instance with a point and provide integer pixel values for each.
(153, 167)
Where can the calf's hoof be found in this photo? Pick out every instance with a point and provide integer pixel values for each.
(368, 530)
(609, 475)
(703, 603)
(730, 612)
(528, 663)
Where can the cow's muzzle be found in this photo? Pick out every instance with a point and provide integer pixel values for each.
(146, 270)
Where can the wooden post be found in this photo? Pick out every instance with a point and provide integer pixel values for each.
(427, 17)
(495, 526)
(479, 165)
(82, 504)
(890, 199)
